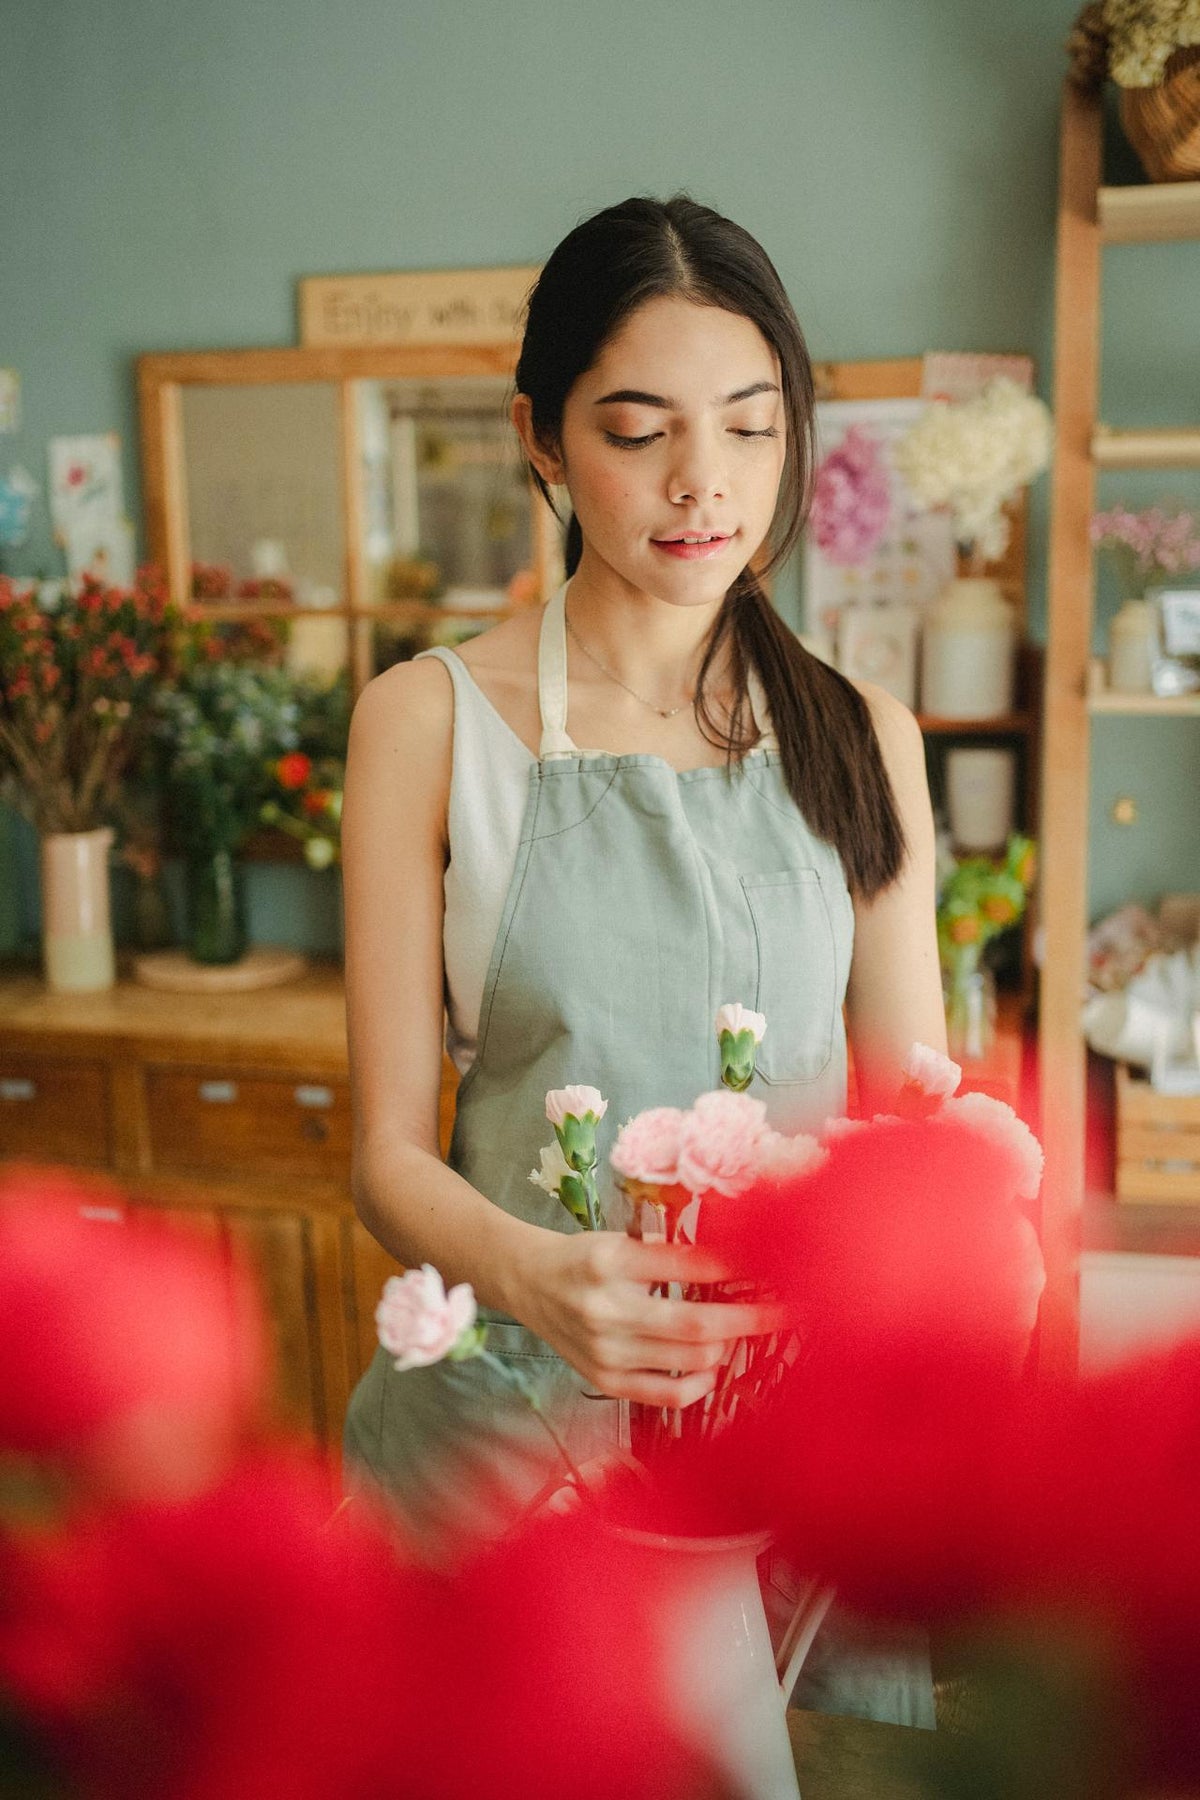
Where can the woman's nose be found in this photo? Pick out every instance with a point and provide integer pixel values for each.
(698, 472)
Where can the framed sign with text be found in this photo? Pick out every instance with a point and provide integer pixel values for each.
(427, 306)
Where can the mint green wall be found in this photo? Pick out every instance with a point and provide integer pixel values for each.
(171, 171)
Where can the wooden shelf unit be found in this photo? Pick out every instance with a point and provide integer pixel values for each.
(1151, 213)
(1176, 448)
(1102, 699)
(1089, 216)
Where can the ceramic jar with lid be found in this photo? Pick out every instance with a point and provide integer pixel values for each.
(1133, 648)
(968, 649)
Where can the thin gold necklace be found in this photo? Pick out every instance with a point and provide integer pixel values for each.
(663, 712)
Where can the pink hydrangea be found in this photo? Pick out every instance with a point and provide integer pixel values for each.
(647, 1147)
(418, 1321)
(852, 499)
(721, 1143)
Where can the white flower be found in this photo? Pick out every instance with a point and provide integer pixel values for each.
(736, 1018)
(418, 1321)
(996, 1120)
(554, 1167)
(973, 455)
(577, 1101)
(931, 1071)
(784, 1158)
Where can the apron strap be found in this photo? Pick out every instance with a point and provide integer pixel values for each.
(552, 678)
(552, 686)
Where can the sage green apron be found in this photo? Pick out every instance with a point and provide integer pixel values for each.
(642, 900)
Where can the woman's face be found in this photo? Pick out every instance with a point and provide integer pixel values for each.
(677, 430)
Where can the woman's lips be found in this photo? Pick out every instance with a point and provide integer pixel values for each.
(691, 552)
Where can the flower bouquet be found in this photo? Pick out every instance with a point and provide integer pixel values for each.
(75, 683)
(219, 728)
(971, 456)
(1148, 544)
(980, 897)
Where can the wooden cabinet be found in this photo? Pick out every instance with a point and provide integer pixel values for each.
(230, 1114)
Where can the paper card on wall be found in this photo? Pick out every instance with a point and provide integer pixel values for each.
(85, 484)
(915, 557)
(104, 548)
(10, 400)
(960, 375)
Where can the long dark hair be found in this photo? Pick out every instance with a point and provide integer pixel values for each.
(601, 272)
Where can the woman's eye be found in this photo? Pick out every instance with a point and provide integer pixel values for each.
(635, 443)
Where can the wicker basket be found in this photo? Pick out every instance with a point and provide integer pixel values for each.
(1163, 123)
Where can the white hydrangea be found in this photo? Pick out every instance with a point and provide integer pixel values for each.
(973, 455)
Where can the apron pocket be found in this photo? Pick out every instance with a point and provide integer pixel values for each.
(797, 973)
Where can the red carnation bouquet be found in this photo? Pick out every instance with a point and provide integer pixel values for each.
(75, 682)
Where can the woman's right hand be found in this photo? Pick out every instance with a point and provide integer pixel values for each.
(588, 1294)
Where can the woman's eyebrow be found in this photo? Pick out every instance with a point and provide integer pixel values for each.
(635, 396)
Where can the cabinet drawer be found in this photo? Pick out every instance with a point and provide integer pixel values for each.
(248, 1124)
(52, 1111)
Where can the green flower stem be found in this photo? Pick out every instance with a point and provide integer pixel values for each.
(520, 1384)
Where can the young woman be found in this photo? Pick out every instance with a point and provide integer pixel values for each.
(585, 830)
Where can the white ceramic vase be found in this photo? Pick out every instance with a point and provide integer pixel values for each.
(77, 940)
(725, 1687)
(968, 647)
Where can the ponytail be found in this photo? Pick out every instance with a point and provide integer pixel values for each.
(832, 762)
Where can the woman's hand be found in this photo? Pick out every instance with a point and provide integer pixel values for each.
(587, 1293)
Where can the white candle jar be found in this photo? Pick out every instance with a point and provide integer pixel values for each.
(1133, 648)
(968, 649)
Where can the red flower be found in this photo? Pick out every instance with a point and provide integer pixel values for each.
(293, 770)
(128, 1348)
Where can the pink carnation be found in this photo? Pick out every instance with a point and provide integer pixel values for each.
(418, 1321)
(786, 1158)
(647, 1147)
(577, 1101)
(996, 1121)
(721, 1143)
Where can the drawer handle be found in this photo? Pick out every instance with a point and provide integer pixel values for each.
(314, 1129)
(314, 1096)
(17, 1088)
(218, 1093)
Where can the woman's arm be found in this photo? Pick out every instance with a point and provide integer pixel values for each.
(587, 1294)
(894, 996)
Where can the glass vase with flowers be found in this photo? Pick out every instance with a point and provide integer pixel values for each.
(76, 676)
(218, 727)
(980, 897)
(970, 457)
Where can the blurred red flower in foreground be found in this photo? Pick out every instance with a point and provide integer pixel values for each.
(184, 1619)
(128, 1349)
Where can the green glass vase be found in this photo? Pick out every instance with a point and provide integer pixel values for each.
(215, 906)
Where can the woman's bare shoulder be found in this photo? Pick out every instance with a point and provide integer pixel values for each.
(406, 700)
(896, 725)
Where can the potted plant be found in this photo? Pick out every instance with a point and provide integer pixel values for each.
(76, 678)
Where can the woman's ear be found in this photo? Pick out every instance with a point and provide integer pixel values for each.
(548, 465)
